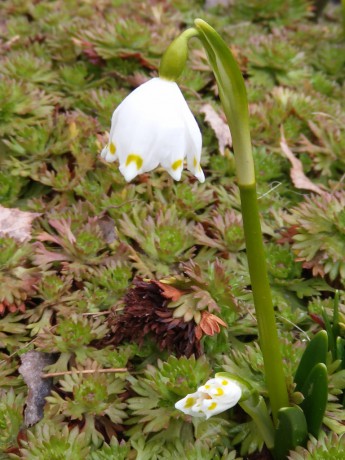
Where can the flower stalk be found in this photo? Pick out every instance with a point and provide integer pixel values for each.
(154, 126)
(233, 97)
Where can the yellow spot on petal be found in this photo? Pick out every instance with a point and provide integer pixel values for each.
(225, 382)
(220, 392)
(207, 387)
(189, 402)
(196, 164)
(136, 159)
(212, 406)
(112, 148)
(176, 165)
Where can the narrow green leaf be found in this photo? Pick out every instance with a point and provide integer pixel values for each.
(329, 329)
(336, 327)
(340, 345)
(316, 352)
(315, 391)
(292, 431)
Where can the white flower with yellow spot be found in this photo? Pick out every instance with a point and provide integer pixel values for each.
(217, 395)
(154, 126)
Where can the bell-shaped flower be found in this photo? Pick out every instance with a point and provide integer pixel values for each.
(154, 126)
(217, 395)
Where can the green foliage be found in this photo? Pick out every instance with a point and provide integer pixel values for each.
(16, 276)
(166, 239)
(328, 447)
(153, 409)
(116, 450)
(11, 419)
(65, 66)
(292, 431)
(276, 12)
(274, 62)
(319, 239)
(54, 442)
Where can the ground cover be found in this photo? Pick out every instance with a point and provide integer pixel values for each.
(85, 257)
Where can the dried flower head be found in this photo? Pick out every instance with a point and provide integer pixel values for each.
(146, 313)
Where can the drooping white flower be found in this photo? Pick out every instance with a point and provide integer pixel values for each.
(217, 395)
(152, 126)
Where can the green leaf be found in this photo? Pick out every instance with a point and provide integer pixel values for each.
(315, 353)
(292, 431)
(330, 333)
(340, 346)
(315, 391)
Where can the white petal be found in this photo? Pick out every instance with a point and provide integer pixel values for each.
(222, 389)
(129, 172)
(190, 405)
(154, 123)
(109, 152)
(212, 407)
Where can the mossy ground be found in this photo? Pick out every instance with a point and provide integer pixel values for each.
(65, 66)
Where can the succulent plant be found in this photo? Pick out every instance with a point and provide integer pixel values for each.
(319, 224)
(11, 418)
(327, 447)
(54, 442)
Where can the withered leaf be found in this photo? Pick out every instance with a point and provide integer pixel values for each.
(107, 226)
(169, 292)
(219, 126)
(33, 363)
(16, 223)
(299, 179)
(210, 324)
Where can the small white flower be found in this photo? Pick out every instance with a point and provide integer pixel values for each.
(152, 126)
(191, 404)
(217, 395)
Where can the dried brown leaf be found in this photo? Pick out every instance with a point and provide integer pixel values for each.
(219, 126)
(210, 324)
(299, 179)
(107, 226)
(16, 223)
(169, 292)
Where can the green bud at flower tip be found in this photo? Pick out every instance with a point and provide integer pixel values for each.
(175, 57)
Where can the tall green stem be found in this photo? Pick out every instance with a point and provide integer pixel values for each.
(269, 341)
(233, 96)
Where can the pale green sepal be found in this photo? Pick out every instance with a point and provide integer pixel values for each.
(175, 57)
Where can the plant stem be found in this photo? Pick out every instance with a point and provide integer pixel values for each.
(269, 341)
(233, 96)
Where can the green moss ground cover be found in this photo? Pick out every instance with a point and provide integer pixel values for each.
(85, 286)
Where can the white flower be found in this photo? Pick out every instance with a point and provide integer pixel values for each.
(217, 395)
(153, 126)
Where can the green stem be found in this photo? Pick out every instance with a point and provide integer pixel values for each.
(233, 96)
(269, 341)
